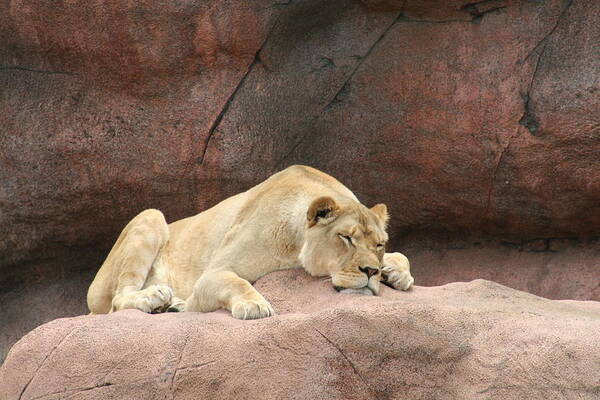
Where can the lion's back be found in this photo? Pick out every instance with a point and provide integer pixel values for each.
(305, 179)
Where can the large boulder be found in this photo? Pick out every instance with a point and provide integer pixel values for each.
(476, 340)
(469, 119)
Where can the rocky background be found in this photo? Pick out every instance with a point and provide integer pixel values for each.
(478, 123)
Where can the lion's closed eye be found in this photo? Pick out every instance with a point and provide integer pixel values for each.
(347, 239)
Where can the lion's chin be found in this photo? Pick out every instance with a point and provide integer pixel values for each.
(370, 290)
(365, 290)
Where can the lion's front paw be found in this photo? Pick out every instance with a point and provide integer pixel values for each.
(177, 305)
(400, 280)
(252, 309)
(154, 299)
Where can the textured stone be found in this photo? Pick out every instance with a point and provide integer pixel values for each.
(571, 273)
(476, 340)
(480, 117)
(467, 118)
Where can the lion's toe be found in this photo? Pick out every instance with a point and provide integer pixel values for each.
(400, 280)
(406, 283)
(154, 299)
(252, 310)
(177, 305)
(143, 304)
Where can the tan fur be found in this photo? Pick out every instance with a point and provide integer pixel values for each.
(299, 217)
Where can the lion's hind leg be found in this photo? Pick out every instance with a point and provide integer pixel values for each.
(125, 270)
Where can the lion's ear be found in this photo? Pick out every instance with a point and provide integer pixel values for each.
(322, 210)
(381, 211)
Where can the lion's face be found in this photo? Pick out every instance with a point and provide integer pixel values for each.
(346, 242)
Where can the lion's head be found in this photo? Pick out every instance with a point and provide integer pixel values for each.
(346, 241)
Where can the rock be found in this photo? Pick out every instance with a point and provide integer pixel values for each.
(460, 116)
(476, 340)
(571, 273)
(476, 119)
(103, 108)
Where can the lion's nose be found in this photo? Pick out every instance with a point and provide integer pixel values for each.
(370, 271)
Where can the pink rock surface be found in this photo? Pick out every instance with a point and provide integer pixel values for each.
(476, 340)
(469, 119)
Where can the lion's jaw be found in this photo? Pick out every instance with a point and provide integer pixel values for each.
(342, 243)
(345, 283)
(345, 274)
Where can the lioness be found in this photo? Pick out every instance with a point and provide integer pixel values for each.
(298, 217)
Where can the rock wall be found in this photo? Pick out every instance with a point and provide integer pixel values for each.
(469, 119)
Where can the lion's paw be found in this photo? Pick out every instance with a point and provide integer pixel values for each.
(400, 280)
(154, 299)
(252, 309)
(177, 305)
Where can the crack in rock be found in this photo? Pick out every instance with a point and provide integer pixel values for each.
(103, 385)
(345, 358)
(177, 363)
(543, 41)
(46, 358)
(495, 171)
(480, 8)
(226, 106)
(204, 364)
(404, 18)
(223, 111)
(487, 6)
(77, 391)
(529, 119)
(343, 88)
(229, 101)
(37, 71)
(361, 60)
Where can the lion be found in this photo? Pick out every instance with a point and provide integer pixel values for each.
(299, 217)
